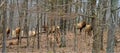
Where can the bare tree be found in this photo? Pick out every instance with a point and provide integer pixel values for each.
(11, 17)
(26, 27)
(111, 29)
(4, 16)
(103, 20)
(96, 23)
(38, 16)
(63, 25)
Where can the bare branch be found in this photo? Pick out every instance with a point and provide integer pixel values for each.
(2, 4)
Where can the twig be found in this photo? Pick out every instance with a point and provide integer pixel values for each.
(115, 9)
(2, 4)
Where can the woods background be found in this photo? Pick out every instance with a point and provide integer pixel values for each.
(31, 15)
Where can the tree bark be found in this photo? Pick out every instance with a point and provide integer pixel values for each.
(111, 30)
(26, 27)
(11, 17)
(4, 16)
(38, 38)
(63, 22)
(96, 22)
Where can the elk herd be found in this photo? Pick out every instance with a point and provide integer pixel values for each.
(53, 29)
(81, 25)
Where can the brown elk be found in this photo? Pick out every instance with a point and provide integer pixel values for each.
(7, 31)
(13, 42)
(81, 25)
(32, 33)
(50, 29)
(53, 29)
(17, 30)
(88, 29)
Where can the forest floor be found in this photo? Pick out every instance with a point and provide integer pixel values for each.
(84, 44)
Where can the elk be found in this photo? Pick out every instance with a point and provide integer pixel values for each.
(32, 33)
(88, 29)
(17, 30)
(53, 29)
(80, 25)
(50, 29)
(7, 31)
(13, 42)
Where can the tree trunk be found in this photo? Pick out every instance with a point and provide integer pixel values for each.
(26, 25)
(4, 16)
(63, 22)
(111, 30)
(11, 17)
(103, 20)
(38, 38)
(96, 28)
